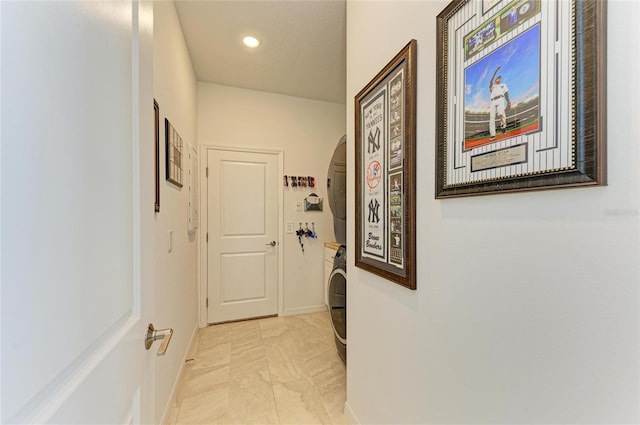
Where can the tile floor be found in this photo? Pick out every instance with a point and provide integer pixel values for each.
(264, 371)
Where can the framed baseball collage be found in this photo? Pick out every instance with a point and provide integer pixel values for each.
(521, 96)
(385, 131)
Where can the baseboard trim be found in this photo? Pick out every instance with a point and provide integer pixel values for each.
(349, 413)
(305, 310)
(174, 391)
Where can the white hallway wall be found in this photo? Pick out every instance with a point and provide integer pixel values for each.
(176, 271)
(527, 304)
(307, 131)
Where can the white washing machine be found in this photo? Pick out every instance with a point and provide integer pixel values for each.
(336, 295)
(338, 301)
(330, 249)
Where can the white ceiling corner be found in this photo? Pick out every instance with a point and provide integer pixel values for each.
(303, 51)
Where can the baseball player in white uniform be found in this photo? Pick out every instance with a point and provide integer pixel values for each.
(499, 103)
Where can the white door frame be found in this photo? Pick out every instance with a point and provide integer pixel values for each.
(204, 225)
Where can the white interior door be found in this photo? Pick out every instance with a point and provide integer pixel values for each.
(243, 235)
(77, 211)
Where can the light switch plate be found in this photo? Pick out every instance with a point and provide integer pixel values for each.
(289, 228)
(299, 206)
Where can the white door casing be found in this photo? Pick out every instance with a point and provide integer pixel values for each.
(242, 216)
(77, 211)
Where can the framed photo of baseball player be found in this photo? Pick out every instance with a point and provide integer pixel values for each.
(521, 96)
(385, 128)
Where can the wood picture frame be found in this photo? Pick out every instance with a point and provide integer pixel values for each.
(537, 71)
(385, 145)
(156, 124)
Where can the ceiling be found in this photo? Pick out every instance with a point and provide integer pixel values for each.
(303, 50)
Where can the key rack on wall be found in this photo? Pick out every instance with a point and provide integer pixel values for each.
(309, 233)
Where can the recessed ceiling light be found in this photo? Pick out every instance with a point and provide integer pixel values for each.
(250, 41)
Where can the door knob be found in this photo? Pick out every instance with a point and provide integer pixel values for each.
(156, 334)
(272, 243)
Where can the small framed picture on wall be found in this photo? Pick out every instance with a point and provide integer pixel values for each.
(174, 146)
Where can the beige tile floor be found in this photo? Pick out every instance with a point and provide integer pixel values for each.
(264, 371)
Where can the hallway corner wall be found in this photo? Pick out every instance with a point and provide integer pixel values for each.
(176, 271)
(527, 304)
